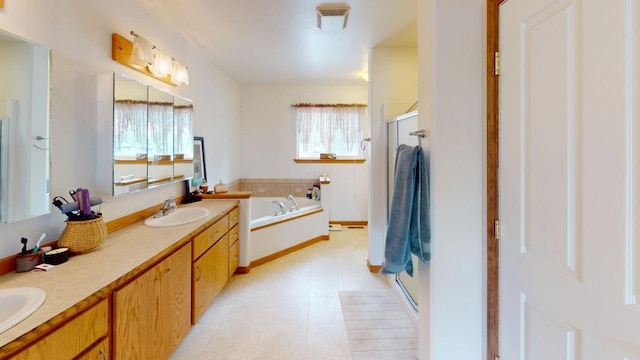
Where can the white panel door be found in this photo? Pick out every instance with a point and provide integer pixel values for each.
(570, 179)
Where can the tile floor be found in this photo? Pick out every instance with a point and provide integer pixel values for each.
(288, 308)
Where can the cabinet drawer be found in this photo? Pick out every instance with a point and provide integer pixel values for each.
(234, 217)
(73, 337)
(234, 234)
(234, 252)
(99, 351)
(209, 237)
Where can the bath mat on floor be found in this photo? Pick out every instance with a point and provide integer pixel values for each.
(335, 227)
(378, 326)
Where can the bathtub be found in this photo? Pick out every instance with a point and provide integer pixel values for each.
(274, 235)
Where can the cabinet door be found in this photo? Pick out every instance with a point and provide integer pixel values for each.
(99, 351)
(210, 274)
(152, 313)
(72, 338)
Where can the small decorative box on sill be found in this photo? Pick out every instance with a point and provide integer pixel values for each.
(327, 155)
(162, 157)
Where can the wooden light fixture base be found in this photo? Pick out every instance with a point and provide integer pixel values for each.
(121, 52)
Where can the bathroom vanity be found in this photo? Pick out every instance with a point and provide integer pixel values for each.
(132, 297)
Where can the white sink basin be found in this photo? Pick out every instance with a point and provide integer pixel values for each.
(177, 217)
(18, 303)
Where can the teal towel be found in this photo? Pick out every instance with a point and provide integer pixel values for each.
(409, 229)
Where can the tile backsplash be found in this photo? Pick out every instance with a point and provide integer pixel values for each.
(275, 187)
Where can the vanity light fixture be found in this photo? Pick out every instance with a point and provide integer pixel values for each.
(180, 73)
(147, 58)
(333, 16)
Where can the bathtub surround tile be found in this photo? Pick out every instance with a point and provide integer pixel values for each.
(276, 187)
(234, 185)
(292, 308)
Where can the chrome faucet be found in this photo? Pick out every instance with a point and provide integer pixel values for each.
(168, 206)
(295, 203)
(281, 205)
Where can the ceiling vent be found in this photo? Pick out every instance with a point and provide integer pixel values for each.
(333, 17)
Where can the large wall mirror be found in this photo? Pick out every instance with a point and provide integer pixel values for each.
(24, 129)
(152, 136)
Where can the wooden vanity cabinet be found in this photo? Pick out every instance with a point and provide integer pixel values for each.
(234, 244)
(76, 336)
(212, 256)
(152, 314)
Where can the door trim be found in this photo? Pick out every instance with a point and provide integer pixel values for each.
(493, 246)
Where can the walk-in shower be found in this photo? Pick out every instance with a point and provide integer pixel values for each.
(399, 132)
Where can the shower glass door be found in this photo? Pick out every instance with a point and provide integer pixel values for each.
(398, 131)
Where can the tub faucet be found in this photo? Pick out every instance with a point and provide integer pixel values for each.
(295, 203)
(168, 206)
(281, 205)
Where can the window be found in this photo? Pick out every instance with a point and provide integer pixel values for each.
(335, 128)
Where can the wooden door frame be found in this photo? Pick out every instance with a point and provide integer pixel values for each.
(493, 249)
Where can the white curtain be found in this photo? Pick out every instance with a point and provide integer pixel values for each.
(183, 116)
(160, 120)
(130, 128)
(329, 129)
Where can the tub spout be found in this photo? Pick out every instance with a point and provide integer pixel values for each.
(295, 203)
(281, 205)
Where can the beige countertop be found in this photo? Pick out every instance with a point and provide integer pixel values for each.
(118, 259)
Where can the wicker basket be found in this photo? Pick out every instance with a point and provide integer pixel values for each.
(83, 236)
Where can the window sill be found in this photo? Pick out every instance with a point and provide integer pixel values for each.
(330, 161)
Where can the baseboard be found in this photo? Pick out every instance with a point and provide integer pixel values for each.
(243, 270)
(374, 268)
(349, 222)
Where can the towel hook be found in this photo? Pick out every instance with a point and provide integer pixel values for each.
(40, 138)
(422, 133)
(363, 146)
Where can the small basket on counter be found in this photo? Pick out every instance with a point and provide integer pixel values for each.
(82, 236)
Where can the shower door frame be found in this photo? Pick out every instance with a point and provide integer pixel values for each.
(411, 298)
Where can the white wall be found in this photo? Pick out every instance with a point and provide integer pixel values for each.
(452, 33)
(393, 75)
(269, 143)
(79, 34)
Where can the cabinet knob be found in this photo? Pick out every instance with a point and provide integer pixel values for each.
(104, 354)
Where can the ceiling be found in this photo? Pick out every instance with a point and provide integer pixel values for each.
(278, 42)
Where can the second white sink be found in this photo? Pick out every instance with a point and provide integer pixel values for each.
(18, 303)
(179, 216)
